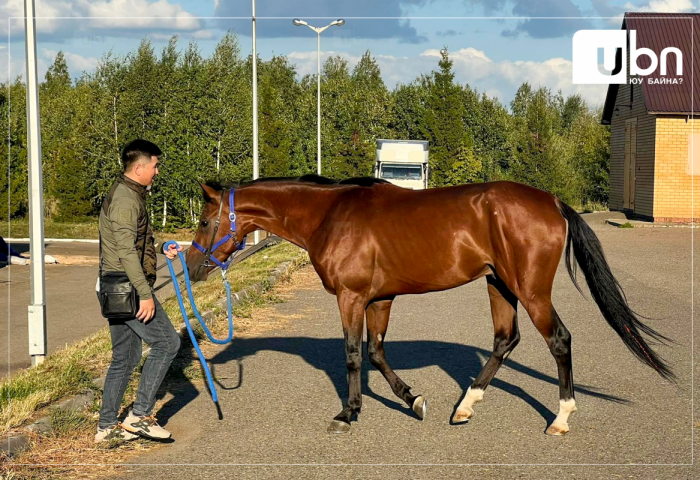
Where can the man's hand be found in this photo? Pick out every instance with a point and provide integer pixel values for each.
(147, 309)
(171, 252)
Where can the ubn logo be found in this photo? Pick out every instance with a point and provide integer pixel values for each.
(587, 44)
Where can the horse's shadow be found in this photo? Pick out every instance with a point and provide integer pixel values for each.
(461, 362)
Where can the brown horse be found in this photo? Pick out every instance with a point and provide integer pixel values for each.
(370, 241)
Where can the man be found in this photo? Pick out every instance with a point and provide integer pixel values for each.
(123, 226)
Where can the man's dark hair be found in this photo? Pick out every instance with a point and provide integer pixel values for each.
(137, 150)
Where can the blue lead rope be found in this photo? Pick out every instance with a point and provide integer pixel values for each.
(203, 324)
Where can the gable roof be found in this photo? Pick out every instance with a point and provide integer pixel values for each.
(657, 31)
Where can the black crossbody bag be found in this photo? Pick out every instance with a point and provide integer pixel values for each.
(119, 300)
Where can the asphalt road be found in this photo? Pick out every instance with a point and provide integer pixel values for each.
(279, 391)
(72, 310)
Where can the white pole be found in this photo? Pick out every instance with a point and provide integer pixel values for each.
(37, 308)
(256, 165)
(318, 103)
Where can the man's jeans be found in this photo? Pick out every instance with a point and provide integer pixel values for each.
(158, 334)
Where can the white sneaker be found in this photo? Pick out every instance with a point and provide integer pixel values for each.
(113, 433)
(18, 260)
(145, 426)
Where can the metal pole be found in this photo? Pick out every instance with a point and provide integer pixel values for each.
(256, 166)
(37, 279)
(318, 117)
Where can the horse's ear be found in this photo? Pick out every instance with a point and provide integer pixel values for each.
(209, 193)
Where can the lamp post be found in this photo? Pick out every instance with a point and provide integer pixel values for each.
(256, 163)
(340, 22)
(37, 277)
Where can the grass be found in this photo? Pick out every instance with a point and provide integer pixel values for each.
(626, 225)
(66, 371)
(257, 269)
(58, 453)
(591, 207)
(71, 369)
(82, 230)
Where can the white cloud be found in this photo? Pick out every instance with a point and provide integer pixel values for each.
(663, 6)
(122, 15)
(473, 67)
(203, 34)
(306, 62)
(75, 62)
(478, 70)
(17, 67)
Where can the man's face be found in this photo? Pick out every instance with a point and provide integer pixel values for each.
(146, 172)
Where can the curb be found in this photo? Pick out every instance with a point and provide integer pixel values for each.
(77, 403)
(615, 222)
(18, 443)
(70, 240)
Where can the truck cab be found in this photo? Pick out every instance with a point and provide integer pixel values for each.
(403, 163)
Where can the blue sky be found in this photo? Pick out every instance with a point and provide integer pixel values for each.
(494, 52)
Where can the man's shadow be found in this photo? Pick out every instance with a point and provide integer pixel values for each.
(461, 362)
(178, 381)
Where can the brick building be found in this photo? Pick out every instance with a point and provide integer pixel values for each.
(654, 169)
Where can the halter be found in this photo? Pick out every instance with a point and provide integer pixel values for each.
(231, 235)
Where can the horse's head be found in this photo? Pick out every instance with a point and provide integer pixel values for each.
(216, 211)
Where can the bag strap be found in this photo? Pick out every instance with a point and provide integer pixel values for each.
(100, 243)
(145, 236)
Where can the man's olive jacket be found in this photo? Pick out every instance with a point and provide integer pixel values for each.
(123, 228)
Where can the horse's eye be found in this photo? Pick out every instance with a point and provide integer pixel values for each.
(204, 223)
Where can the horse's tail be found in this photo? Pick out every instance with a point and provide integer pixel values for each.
(607, 292)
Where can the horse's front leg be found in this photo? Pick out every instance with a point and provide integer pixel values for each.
(352, 311)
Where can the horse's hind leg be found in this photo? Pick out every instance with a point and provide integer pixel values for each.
(558, 340)
(377, 323)
(506, 336)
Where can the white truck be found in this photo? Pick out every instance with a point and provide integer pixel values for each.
(403, 163)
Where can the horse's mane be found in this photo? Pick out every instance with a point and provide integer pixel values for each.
(309, 178)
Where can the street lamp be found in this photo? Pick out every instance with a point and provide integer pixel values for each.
(256, 163)
(337, 23)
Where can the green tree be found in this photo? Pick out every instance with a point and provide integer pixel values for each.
(443, 125)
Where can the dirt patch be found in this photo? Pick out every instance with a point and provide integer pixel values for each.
(75, 260)
(267, 317)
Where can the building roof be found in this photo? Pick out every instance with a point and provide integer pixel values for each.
(657, 31)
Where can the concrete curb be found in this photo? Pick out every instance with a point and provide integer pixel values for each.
(71, 240)
(617, 222)
(14, 445)
(77, 403)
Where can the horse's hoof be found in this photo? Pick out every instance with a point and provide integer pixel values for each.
(338, 426)
(462, 416)
(557, 430)
(419, 406)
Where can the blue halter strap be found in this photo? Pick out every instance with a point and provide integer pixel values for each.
(231, 235)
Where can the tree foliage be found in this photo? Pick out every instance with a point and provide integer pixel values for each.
(199, 111)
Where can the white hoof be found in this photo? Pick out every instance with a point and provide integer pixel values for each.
(463, 415)
(557, 430)
(420, 406)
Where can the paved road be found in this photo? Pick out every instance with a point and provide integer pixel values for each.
(284, 387)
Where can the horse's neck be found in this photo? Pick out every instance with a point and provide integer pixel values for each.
(292, 211)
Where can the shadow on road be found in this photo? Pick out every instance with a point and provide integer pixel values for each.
(461, 362)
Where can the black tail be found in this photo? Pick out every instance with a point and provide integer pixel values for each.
(607, 292)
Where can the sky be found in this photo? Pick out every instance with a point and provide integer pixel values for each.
(496, 45)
